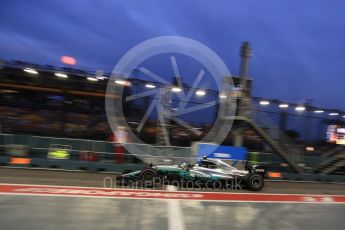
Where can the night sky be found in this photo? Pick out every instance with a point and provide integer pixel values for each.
(298, 46)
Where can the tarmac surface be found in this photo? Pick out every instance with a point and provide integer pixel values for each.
(54, 207)
(41, 212)
(89, 179)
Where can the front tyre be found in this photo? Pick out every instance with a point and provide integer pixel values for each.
(255, 182)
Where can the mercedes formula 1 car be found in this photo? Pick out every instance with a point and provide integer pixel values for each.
(209, 173)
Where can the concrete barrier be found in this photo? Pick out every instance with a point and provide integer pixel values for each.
(70, 165)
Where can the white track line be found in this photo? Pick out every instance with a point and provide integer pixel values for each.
(175, 217)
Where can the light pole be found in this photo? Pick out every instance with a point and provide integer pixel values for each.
(245, 97)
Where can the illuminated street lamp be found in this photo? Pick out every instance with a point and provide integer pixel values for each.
(176, 89)
(61, 75)
(150, 86)
(319, 111)
(264, 102)
(283, 105)
(122, 82)
(333, 114)
(30, 70)
(300, 108)
(92, 79)
(200, 93)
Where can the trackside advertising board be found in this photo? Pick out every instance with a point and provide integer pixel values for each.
(221, 152)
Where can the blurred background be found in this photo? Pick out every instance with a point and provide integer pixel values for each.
(286, 80)
(56, 62)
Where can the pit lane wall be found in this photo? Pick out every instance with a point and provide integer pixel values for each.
(20, 162)
(99, 156)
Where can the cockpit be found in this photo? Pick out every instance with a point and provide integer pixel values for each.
(206, 163)
(214, 164)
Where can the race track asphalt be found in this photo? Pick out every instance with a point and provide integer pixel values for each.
(55, 212)
(89, 179)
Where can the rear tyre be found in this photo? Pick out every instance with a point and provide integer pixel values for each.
(255, 182)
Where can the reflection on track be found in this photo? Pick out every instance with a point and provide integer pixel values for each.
(208, 215)
(36, 212)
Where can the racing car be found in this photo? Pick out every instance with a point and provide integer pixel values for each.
(208, 173)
